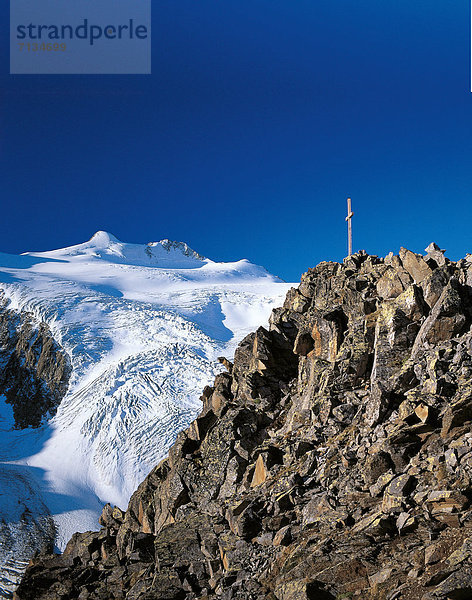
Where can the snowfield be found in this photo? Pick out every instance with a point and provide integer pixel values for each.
(143, 326)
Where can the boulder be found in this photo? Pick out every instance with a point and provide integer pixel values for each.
(415, 265)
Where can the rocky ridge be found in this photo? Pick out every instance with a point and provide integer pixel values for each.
(333, 459)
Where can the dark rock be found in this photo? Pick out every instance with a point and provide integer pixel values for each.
(376, 466)
(457, 586)
(34, 369)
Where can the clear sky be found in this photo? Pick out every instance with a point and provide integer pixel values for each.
(260, 118)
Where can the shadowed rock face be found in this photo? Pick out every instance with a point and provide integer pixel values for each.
(34, 370)
(333, 461)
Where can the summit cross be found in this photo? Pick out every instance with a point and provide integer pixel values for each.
(350, 214)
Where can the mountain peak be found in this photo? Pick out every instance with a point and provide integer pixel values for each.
(104, 246)
(103, 239)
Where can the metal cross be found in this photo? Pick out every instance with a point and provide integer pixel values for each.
(350, 214)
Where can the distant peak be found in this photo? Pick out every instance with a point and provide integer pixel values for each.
(105, 246)
(103, 238)
(180, 246)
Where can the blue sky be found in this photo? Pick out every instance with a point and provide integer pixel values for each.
(259, 119)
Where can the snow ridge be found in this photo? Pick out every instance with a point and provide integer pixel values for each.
(105, 246)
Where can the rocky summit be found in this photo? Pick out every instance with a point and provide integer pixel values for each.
(333, 459)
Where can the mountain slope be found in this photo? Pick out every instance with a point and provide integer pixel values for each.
(142, 326)
(333, 460)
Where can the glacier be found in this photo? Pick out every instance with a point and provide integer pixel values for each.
(143, 325)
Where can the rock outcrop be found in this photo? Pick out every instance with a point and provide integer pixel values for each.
(333, 459)
(34, 369)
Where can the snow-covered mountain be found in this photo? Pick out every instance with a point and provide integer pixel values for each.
(142, 325)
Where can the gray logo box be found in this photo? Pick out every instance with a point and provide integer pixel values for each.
(80, 37)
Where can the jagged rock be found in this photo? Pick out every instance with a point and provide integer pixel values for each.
(111, 517)
(393, 283)
(283, 537)
(457, 413)
(304, 344)
(434, 285)
(435, 255)
(260, 472)
(226, 363)
(422, 412)
(415, 264)
(34, 369)
(377, 465)
(333, 459)
(404, 522)
(447, 319)
(384, 479)
(380, 576)
(458, 586)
